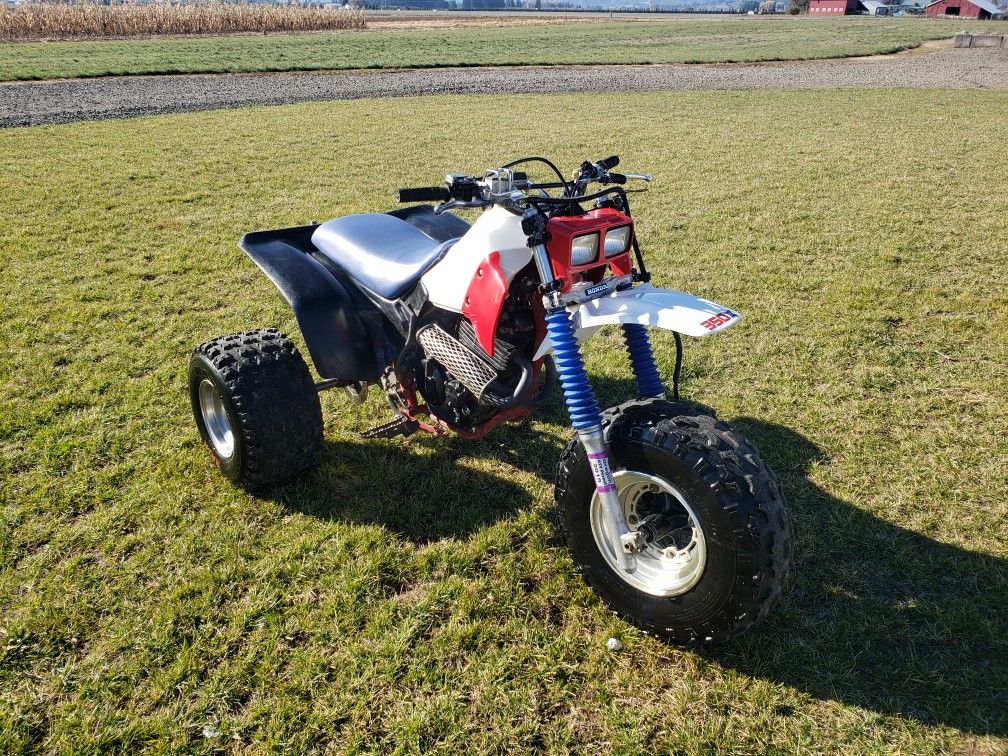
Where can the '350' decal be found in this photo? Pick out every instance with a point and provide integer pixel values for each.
(720, 319)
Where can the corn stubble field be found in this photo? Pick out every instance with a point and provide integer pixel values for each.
(84, 19)
(409, 594)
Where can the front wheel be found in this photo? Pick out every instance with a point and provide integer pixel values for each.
(722, 537)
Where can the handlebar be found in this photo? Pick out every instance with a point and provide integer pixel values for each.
(425, 194)
(508, 188)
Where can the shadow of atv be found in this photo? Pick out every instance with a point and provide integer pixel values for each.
(874, 615)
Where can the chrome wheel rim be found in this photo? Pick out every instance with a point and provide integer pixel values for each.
(675, 561)
(216, 420)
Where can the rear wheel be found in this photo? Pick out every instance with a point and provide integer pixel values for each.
(255, 406)
(722, 537)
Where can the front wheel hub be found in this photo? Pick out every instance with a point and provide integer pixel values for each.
(676, 553)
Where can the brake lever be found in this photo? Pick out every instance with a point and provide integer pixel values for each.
(453, 203)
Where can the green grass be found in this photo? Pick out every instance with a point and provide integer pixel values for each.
(679, 40)
(409, 595)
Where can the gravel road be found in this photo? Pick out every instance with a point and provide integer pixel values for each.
(34, 103)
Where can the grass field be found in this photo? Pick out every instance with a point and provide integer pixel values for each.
(409, 594)
(677, 40)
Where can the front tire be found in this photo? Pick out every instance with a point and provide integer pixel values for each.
(255, 406)
(726, 538)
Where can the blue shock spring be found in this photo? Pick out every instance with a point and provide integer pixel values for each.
(649, 382)
(581, 402)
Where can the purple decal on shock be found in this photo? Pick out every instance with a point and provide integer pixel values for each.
(597, 455)
(603, 476)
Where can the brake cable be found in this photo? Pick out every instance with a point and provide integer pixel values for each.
(546, 161)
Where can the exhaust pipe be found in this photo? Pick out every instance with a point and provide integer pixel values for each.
(474, 372)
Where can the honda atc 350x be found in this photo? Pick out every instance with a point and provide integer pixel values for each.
(670, 514)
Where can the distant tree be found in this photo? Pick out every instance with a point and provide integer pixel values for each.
(797, 6)
(538, 5)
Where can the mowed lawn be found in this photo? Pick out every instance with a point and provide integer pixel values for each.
(410, 594)
(578, 40)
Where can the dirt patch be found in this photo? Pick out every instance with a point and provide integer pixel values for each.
(925, 48)
(33, 103)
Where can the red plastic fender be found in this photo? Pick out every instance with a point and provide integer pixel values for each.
(484, 299)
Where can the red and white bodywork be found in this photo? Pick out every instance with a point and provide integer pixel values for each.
(473, 278)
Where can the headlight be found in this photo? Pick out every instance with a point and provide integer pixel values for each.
(617, 240)
(584, 249)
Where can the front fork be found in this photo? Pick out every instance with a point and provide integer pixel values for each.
(586, 416)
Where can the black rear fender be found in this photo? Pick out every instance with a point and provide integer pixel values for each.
(347, 337)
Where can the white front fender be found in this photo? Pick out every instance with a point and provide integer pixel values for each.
(648, 306)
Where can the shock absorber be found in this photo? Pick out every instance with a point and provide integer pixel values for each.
(587, 420)
(649, 382)
(578, 392)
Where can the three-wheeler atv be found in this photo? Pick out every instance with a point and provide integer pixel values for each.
(669, 513)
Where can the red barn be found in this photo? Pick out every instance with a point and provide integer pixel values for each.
(980, 9)
(832, 7)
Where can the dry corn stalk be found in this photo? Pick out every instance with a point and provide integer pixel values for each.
(90, 19)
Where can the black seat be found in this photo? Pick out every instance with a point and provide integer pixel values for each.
(438, 226)
(381, 252)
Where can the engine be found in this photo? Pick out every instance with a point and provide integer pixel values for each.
(459, 381)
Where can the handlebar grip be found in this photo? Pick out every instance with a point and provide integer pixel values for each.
(425, 194)
(609, 162)
(617, 178)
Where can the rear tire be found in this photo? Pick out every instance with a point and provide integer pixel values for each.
(255, 406)
(730, 497)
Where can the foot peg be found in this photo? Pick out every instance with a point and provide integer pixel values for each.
(357, 392)
(400, 426)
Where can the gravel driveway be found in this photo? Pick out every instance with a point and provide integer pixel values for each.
(33, 103)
